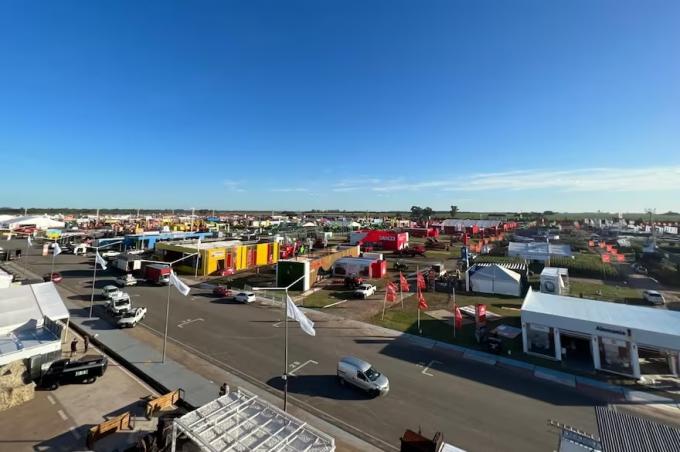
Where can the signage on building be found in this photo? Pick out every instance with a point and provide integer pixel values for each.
(605, 329)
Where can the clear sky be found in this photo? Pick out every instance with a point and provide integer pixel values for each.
(490, 105)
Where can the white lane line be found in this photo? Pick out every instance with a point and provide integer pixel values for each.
(430, 364)
(62, 415)
(310, 361)
(188, 321)
(333, 304)
(51, 399)
(276, 325)
(74, 432)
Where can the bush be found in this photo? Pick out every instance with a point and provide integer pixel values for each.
(588, 268)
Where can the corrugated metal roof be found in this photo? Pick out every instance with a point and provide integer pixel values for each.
(620, 432)
(509, 265)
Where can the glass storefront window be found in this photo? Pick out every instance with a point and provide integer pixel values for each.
(541, 340)
(615, 355)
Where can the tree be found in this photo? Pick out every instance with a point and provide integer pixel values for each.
(416, 213)
(454, 211)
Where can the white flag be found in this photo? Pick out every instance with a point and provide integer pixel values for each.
(99, 260)
(175, 281)
(296, 314)
(30, 243)
(57, 249)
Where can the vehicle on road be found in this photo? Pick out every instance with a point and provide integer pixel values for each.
(110, 254)
(245, 297)
(132, 317)
(223, 292)
(110, 291)
(639, 268)
(54, 277)
(361, 374)
(63, 371)
(654, 297)
(126, 280)
(365, 290)
(119, 304)
(158, 273)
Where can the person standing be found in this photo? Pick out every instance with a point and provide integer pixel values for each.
(86, 343)
(223, 389)
(74, 346)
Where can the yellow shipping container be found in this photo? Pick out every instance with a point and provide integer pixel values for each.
(262, 258)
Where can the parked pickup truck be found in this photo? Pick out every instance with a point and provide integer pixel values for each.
(63, 371)
(364, 290)
(119, 304)
(132, 317)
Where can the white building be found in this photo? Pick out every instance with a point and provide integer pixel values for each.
(611, 337)
(555, 280)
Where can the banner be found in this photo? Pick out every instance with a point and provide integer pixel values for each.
(480, 314)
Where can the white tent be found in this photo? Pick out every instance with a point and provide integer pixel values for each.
(40, 222)
(493, 279)
(22, 304)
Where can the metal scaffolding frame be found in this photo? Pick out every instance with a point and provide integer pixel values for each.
(240, 421)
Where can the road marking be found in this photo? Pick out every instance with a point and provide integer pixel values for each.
(62, 415)
(188, 321)
(51, 399)
(429, 365)
(333, 304)
(74, 432)
(309, 361)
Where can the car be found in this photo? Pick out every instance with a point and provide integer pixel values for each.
(639, 268)
(223, 292)
(126, 280)
(132, 317)
(109, 291)
(654, 297)
(54, 277)
(361, 374)
(364, 290)
(225, 272)
(110, 254)
(245, 297)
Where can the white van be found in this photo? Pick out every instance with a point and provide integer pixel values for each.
(362, 375)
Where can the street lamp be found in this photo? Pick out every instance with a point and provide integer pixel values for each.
(285, 320)
(94, 274)
(167, 304)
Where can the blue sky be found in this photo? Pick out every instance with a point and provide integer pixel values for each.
(490, 105)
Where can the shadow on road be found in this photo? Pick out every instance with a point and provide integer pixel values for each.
(487, 374)
(326, 386)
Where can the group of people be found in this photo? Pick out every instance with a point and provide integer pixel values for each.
(74, 345)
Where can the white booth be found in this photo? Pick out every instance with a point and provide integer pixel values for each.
(612, 336)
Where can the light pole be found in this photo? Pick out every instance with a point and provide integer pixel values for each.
(285, 342)
(167, 303)
(94, 273)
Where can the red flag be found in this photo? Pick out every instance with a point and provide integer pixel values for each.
(420, 281)
(403, 283)
(591, 243)
(422, 304)
(606, 258)
(391, 292)
(620, 258)
(458, 317)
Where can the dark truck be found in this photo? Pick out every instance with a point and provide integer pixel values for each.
(63, 371)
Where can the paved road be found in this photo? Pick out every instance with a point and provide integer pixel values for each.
(477, 407)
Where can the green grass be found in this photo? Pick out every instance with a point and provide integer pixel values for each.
(607, 292)
(322, 298)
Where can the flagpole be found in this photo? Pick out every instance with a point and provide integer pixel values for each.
(454, 312)
(384, 301)
(285, 354)
(53, 256)
(94, 278)
(167, 317)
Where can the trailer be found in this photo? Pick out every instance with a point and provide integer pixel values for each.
(158, 273)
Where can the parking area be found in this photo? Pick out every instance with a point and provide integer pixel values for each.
(59, 420)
